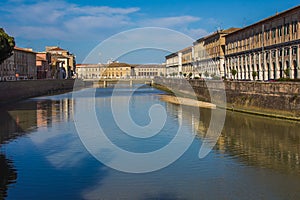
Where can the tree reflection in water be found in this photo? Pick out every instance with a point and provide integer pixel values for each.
(8, 175)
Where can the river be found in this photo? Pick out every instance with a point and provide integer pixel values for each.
(42, 156)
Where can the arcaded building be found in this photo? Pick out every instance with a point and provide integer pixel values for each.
(266, 50)
(209, 53)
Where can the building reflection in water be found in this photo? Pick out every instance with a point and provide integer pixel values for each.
(253, 140)
(29, 115)
(25, 117)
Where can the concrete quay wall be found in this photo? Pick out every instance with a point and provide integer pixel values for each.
(276, 99)
(18, 90)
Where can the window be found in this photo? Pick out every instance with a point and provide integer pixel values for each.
(286, 29)
(268, 34)
(273, 32)
(280, 52)
(286, 52)
(279, 31)
(267, 55)
(294, 27)
(273, 54)
(294, 50)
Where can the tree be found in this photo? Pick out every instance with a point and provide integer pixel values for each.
(7, 44)
(233, 72)
(287, 72)
(206, 74)
(254, 74)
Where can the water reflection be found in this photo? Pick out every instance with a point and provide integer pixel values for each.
(255, 141)
(254, 157)
(264, 142)
(29, 115)
(8, 175)
(24, 118)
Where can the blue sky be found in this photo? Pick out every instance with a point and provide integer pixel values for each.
(80, 25)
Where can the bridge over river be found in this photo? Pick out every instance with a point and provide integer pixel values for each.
(126, 81)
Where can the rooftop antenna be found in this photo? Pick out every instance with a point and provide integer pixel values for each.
(244, 21)
(99, 57)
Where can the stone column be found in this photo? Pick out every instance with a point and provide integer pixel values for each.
(260, 72)
(291, 68)
(265, 65)
(179, 63)
(246, 64)
(298, 59)
(270, 67)
(276, 73)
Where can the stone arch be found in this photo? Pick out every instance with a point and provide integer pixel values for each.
(258, 72)
(287, 67)
(263, 72)
(280, 70)
(274, 70)
(295, 69)
(269, 71)
(240, 73)
(245, 72)
(249, 72)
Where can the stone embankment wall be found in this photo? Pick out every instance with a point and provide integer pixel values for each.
(277, 99)
(18, 90)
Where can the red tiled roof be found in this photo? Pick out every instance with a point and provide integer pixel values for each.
(115, 64)
(39, 58)
(57, 49)
(24, 49)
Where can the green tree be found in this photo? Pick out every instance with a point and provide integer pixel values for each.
(233, 72)
(7, 44)
(287, 72)
(206, 74)
(254, 75)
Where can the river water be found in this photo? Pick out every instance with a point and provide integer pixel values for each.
(42, 156)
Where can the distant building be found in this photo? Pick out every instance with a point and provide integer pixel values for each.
(63, 62)
(209, 56)
(268, 49)
(118, 70)
(173, 64)
(43, 64)
(90, 71)
(187, 62)
(149, 71)
(20, 66)
(8, 69)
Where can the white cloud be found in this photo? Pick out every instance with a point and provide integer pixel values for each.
(90, 22)
(196, 33)
(169, 22)
(96, 10)
(37, 32)
(63, 20)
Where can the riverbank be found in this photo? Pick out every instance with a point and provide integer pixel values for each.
(187, 101)
(18, 90)
(277, 100)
